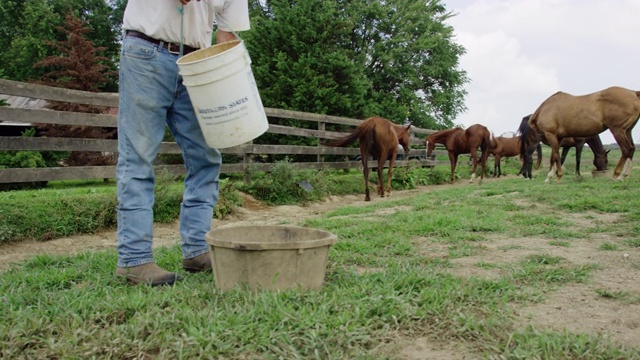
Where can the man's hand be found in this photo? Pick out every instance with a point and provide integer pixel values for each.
(224, 36)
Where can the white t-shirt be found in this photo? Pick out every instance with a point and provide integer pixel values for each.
(160, 19)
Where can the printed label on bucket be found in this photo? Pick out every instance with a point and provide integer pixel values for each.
(221, 114)
(239, 107)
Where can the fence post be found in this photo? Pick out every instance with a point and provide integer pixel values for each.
(321, 127)
(247, 159)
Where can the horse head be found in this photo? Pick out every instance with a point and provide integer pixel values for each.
(430, 144)
(404, 138)
(601, 161)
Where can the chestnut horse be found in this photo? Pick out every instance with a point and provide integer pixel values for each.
(379, 138)
(564, 115)
(459, 141)
(508, 147)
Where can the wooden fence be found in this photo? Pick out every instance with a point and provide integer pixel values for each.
(246, 151)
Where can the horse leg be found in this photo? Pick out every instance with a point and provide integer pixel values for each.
(565, 152)
(475, 165)
(578, 156)
(364, 157)
(555, 159)
(390, 172)
(527, 164)
(453, 159)
(496, 166)
(627, 149)
(483, 163)
(381, 162)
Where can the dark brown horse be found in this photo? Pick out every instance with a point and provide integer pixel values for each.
(504, 147)
(600, 156)
(460, 141)
(564, 115)
(379, 138)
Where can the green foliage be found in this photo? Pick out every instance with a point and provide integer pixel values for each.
(229, 199)
(26, 26)
(54, 216)
(358, 58)
(300, 58)
(284, 185)
(30, 159)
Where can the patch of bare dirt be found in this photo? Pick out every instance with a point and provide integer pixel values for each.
(577, 307)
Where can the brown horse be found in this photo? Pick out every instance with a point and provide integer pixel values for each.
(459, 141)
(507, 147)
(379, 138)
(564, 115)
(600, 159)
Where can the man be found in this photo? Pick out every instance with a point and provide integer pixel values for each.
(151, 96)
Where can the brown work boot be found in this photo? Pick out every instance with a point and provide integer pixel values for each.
(149, 274)
(199, 263)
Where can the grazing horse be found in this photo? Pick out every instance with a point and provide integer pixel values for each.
(379, 138)
(508, 147)
(459, 141)
(600, 160)
(564, 115)
(600, 156)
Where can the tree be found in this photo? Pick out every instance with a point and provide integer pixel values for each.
(411, 60)
(301, 62)
(358, 58)
(25, 25)
(78, 67)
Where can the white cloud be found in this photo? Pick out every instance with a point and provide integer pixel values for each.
(521, 52)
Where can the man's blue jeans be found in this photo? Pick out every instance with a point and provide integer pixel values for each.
(152, 95)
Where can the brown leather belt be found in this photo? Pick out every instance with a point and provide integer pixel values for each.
(171, 47)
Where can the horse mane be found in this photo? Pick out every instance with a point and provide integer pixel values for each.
(436, 137)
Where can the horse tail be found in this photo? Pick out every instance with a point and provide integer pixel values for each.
(486, 140)
(485, 145)
(345, 140)
(493, 144)
(527, 133)
(539, 149)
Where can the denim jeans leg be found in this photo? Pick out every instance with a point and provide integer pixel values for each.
(147, 88)
(201, 183)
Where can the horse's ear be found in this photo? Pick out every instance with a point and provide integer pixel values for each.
(409, 127)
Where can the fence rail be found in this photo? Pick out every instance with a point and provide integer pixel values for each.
(247, 151)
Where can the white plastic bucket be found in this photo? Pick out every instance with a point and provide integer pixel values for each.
(224, 94)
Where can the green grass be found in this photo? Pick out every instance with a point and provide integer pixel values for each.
(378, 284)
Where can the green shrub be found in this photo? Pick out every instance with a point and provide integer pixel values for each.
(283, 185)
(31, 159)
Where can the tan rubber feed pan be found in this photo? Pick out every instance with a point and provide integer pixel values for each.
(274, 257)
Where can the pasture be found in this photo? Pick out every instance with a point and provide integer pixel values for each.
(508, 269)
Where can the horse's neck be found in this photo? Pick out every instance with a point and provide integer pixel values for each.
(596, 145)
(444, 137)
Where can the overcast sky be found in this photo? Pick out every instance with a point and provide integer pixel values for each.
(520, 52)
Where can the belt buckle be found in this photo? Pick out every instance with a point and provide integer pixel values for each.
(176, 52)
